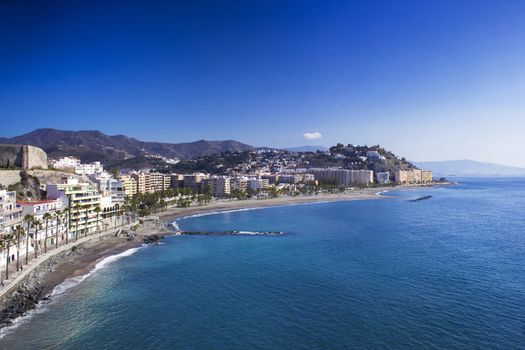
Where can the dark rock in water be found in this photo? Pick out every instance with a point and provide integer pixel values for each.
(152, 239)
(421, 198)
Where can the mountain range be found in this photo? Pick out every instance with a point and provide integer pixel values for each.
(91, 145)
(467, 167)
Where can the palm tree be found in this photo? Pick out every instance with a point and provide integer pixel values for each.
(8, 238)
(68, 222)
(2, 248)
(29, 219)
(17, 233)
(37, 224)
(46, 217)
(98, 210)
(58, 218)
(86, 220)
(116, 211)
(77, 207)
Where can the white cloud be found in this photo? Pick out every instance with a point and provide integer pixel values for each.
(312, 135)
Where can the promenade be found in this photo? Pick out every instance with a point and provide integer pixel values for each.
(17, 277)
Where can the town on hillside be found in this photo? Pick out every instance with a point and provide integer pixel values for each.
(47, 202)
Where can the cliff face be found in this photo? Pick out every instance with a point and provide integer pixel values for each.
(22, 156)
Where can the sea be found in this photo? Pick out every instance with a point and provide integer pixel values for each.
(447, 272)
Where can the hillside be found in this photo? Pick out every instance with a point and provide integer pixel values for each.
(94, 145)
(469, 168)
(306, 149)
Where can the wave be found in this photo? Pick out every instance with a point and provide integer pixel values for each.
(381, 192)
(60, 289)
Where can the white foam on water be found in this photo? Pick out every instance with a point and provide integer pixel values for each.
(60, 289)
(381, 192)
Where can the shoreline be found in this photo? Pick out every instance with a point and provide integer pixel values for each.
(84, 260)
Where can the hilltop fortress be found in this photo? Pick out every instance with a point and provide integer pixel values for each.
(22, 156)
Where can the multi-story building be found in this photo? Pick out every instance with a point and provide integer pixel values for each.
(10, 218)
(343, 177)
(193, 181)
(129, 185)
(413, 176)
(10, 213)
(257, 183)
(93, 168)
(239, 183)
(81, 199)
(66, 163)
(55, 226)
(177, 181)
(219, 186)
(383, 177)
(426, 176)
(401, 176)
(140, 180)
(108, 186)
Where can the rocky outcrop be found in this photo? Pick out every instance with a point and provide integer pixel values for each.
(152, 239)
(22, 156)
(31, 290)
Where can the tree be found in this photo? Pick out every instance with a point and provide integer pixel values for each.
(77, 219)
(37, 224)
(67, 212)
(98, 210)
(58, 218)
(8, 238)
(86, 220)
(46, 217)
(29, 219)
(17, 233)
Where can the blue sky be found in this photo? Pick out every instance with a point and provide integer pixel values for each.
(430, 80)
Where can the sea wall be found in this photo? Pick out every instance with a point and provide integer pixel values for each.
(29, 291)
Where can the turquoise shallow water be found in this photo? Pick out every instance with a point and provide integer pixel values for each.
(445, 273)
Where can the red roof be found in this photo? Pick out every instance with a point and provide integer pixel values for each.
(35, 202)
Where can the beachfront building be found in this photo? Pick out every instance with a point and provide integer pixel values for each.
(151, 182)
(239, 183)
(219, 186)
(194, 181)
(109, 186)
(257, 183)
(383, 177)
(10, 212)
(129, 185)
(45, 211)
(10, 217)
(343, 177)
(81, 199)
(176, 180)
(426, 176)
(413, 176)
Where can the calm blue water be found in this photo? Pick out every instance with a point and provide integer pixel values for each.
(446, 273)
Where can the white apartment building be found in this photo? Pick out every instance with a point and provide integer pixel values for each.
(66, 163)
(81, 199)
(56, 226)
(383, 177)
(10, 217)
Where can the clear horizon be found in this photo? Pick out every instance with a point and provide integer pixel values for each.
(429, 81)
